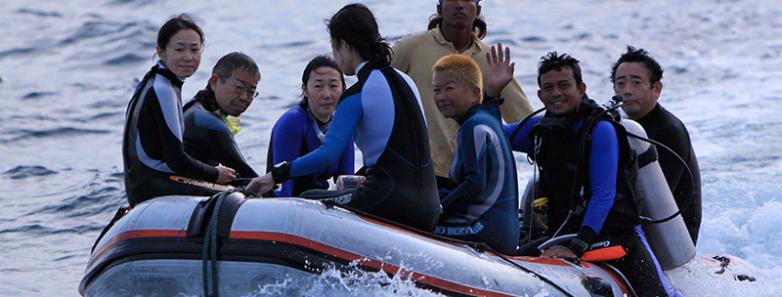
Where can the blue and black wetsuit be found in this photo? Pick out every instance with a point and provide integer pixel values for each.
(208, 139)
(383, 111)
(586, 190)
(296, 134)
(484, 204)
(152, 148)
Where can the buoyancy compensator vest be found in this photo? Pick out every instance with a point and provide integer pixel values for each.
(561, 152)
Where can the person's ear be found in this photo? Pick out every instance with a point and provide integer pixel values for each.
(160, 53)
(213, 81)
(304, 90)
(582, 88)
(657, 88)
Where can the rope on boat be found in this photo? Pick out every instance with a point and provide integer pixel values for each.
(209, 252)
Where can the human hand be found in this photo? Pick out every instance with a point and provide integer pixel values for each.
(558, 251)
(500, 70)
(261, 184)
(225, 175)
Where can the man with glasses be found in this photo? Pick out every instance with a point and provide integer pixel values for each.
(212, 117)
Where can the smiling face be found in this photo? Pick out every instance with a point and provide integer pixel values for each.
(633, 84)
(459, 13)
(453, 97)
(235, 94)
(559, 91)
(182, 54)
(323, 89)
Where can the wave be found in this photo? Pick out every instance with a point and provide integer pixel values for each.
(22, 172)
(24, 134)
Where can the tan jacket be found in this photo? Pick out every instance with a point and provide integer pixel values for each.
(415, 54)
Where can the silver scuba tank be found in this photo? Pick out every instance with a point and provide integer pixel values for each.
(670, 241)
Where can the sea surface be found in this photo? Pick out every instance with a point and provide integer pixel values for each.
(67, 70)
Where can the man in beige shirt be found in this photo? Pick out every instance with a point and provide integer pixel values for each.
(456, 28)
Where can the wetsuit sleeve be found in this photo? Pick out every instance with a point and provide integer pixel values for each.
(287, 143)
(208, 139)
(473, 160)
(673, 169)
(347, 163)
(224, 147)
(340, 133)
(170, 136)
(603, 162)
(522, 142)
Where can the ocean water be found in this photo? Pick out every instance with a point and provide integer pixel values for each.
(67, 69)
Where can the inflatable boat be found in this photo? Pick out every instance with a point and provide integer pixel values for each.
(228, 245)
(231, 245)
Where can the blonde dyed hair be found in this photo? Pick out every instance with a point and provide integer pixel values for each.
(463, 67)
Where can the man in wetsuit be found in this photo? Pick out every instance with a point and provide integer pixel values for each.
(484, 204)
(456, 28)
(637, 78)
(211, 118)
(585, 166)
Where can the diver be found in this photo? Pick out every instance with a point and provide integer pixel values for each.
(302, 129)
(152, 149)
(211, 118)
(483, 206)
(637, 77)
(383, 112)
(585, 166)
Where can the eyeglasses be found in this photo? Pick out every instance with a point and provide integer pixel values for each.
(240, 87)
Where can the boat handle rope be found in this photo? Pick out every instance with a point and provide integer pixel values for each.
(209, 251)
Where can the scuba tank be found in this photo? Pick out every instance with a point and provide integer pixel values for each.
(670, 241)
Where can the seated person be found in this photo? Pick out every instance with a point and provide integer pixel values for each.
(211, 118)
(484, 204)
(382, 112)
(152, 149)
(302, 128)
(584, 177)
(637, 77)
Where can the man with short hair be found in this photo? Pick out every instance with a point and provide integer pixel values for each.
(483, 206)
(457, 28)
(211, 118)
(637, 77)
(584, 160)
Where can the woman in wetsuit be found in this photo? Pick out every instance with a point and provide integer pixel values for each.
(302, 129)
(383, 111)
(152, 147)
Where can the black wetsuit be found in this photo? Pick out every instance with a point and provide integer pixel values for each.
(663, 126)
(383, 111)
(152, 148)
(208, 138)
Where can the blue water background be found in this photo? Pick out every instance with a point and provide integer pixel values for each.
(67, 69)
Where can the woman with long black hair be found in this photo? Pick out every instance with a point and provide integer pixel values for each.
(383, 111)
(152, 148)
